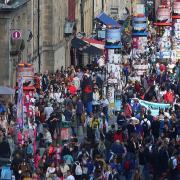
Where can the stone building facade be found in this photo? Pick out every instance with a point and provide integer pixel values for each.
(87, 10)
(115, 8)
(49, 44)
(52, 48)
(12, 17)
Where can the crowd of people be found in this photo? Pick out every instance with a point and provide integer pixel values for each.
(101, 144)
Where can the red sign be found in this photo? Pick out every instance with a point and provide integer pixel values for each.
(16, 34)
(71, 10)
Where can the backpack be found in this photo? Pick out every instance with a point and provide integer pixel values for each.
(78, 169)
(95, 124)
(145, 126)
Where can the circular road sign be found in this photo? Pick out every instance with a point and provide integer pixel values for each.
(16, 34)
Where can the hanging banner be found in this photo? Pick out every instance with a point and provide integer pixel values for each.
(141, 69)
(154, 107)
(138, 9)
(113, 35)
(20, 103)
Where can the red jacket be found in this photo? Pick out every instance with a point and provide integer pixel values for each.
(118, 136)
(169, 97)
(162, 67)
(72, 89)
(127, 110)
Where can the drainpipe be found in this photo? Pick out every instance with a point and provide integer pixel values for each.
(102, 5)
(38, 36)
(92, 15)
(82, 15)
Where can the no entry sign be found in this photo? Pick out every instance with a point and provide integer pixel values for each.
(16, 34)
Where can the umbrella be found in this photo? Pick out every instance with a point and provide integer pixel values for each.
(6, 90)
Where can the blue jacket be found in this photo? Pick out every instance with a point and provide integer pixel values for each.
(117, 149)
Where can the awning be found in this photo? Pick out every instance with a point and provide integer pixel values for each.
(108, 21)
(6, 90)
(94, 42)
(85, 47)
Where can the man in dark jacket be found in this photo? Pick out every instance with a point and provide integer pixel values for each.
(114, 174)
(155, 125)
(117, 148)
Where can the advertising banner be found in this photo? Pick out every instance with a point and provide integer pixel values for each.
(140, 69)
(164, 14)
(139, 10)
(139, 43)
(26, 72)
(114, 57)
(164, 45)
(20, 104)
(113, 35)
(154, 107)
(139, 23)
(176, 7)
(164, 54)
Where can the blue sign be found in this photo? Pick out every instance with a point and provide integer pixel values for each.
(140, 34)
(101, 34)
(113, 46)
(113, 35)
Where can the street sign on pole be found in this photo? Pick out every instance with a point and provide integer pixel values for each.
(16, 34)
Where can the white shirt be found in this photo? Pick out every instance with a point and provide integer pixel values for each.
(48, 137)
(50, 170)
(104, 102)
(76, 82)
(57, 96)
(70, 177)
(101, 62)
(47, 112)
(95, 98)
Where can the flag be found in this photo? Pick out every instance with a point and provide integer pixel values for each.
(20, 104)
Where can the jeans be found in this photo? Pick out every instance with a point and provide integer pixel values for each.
(89, 108)
(105, 111)
(141, 168)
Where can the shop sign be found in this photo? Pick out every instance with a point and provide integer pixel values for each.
(113, 35)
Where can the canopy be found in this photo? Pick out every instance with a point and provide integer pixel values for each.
(96, 43)
(6, 90)
(108, 21)
(85, 47)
